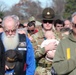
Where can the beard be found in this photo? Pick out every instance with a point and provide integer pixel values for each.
(10, 42)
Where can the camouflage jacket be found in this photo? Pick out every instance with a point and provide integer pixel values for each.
(40, 53)
(37, 40)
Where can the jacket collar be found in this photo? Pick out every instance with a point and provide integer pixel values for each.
(71, 37)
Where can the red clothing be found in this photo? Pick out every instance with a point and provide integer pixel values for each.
(35, 31)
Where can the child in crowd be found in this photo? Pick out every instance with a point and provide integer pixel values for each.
(50, 37)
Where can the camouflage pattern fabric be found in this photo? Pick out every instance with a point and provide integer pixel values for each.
(59, 35)
(43, 65)
(38, 38)
(42, 71)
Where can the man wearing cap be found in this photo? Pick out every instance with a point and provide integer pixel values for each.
(43, 66)
(23, 61)
(32, 19)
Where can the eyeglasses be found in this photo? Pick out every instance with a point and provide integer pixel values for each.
(74, 25)
(47, 21)
(25, 26)
(29, 31)
(8, 31)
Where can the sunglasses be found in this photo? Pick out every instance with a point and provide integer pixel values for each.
(29, 31)
(47, 21)
(74, 25)
(25, 26)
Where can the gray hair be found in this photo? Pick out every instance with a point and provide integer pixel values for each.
(16, 18)
(74, 14)
(7, 17)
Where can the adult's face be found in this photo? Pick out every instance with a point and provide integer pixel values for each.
(74, 24)
(10, 27)
(31, 29)
(67, 24)
(25, 25)
(59, 27)
(47, 24)
(0, 21)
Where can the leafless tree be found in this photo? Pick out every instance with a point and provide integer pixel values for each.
(31, 8)
(3, 6)
(59, 7)
(12, 10)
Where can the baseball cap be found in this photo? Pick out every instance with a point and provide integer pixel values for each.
(31, 19)
(48, 14)
(10, 58)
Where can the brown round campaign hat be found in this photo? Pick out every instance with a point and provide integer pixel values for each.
(10, 58)
(48, 14)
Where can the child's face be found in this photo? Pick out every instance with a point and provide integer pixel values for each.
(49, 35)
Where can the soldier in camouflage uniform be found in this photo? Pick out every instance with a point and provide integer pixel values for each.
(58, 24)
(43, 65)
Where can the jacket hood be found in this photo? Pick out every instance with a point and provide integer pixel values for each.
(71, 37)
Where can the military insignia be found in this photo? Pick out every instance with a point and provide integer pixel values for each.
(68, 53)
(48, 13)
(22, 44)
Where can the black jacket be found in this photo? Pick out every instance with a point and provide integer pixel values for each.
(2, 59)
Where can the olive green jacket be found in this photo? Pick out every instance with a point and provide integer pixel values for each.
(64, 61)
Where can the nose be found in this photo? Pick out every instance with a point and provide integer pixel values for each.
(10, 33)
(47, 22)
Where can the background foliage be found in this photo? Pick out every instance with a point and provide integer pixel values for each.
(27, 8)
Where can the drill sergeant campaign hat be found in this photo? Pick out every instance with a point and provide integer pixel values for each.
(48, 14)
(11, 57)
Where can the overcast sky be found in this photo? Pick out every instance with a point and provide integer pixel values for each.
(9, 3)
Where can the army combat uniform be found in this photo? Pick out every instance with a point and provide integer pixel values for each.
(42, 64)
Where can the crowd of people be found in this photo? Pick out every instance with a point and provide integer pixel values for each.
(28, 50)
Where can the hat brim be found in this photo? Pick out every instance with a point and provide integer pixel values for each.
(10, 65)
(48, 19)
